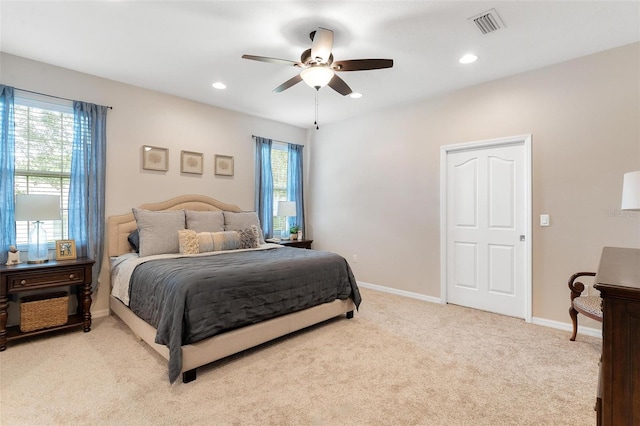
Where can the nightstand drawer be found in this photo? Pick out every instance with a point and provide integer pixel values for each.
(69, 276)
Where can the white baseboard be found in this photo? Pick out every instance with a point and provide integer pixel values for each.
(395, 291)
(587, 331)
(99, 314)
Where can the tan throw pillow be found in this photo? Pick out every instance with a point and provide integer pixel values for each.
(188, 242)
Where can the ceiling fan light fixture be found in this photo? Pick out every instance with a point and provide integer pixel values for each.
(356, 95)
(468, 58)
(219, 85)
(317, 77)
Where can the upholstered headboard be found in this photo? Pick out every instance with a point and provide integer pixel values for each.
(119, 227)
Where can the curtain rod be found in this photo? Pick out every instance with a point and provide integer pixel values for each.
(52, 96)
(275, 140)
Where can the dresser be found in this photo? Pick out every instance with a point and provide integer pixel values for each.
(44, 277)
(618, 280)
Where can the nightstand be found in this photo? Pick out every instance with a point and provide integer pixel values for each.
(49, 275)
(306, 244)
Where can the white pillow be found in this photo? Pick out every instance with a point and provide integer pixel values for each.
(158, 231)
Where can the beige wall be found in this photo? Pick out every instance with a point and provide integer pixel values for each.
(142, 117)
(374, 180)
(373, 187)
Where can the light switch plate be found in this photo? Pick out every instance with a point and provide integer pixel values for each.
(544, 220)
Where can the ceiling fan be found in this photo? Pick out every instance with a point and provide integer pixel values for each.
(319, 68)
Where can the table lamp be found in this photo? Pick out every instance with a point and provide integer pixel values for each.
(631, 191)
(286, 209)
(37, 208)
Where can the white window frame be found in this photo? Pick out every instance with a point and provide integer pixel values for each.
(277, 225)
(33, 100)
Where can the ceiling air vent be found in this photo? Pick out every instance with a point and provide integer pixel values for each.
(488, 21)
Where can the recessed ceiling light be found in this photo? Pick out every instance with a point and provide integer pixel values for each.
(219, 85)
(356, 95)
(468, 58)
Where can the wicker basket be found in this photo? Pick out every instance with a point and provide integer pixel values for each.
(44, 311)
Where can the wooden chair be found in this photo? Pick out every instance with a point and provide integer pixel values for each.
(589, 306)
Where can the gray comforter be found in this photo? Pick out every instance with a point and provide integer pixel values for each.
(191, 298)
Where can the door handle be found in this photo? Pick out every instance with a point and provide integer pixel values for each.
(522, 237)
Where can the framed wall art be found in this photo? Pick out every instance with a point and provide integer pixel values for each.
(155, 158)
(223, 165)
(191, 162)
(65, 249)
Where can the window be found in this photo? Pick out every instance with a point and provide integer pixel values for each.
(279, 160)
(278, 177)
(44, 139)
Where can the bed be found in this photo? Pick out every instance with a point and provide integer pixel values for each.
(233, 292)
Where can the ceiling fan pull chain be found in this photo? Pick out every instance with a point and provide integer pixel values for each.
(316, 122)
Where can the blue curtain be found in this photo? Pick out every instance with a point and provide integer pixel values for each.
(87, 183)
(264, 185)
(294, 185)
(7, 168)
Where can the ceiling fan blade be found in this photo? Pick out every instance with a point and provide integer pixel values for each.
(362, 64)
(338, 84)
(272, 60)
(284, 86)
(322, 45)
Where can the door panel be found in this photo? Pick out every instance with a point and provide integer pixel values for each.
(501, 193)
(501, 271)
(466, 256)
(485, 218)
(466, 211)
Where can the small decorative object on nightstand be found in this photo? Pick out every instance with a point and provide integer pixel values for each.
(13, 256)
(294, 232)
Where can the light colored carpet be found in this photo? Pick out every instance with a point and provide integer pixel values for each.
(398, 362)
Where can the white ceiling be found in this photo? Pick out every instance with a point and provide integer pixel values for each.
(182, 47)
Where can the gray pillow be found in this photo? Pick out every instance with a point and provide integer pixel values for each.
(241, 221)
(159, 231)
(205, 221)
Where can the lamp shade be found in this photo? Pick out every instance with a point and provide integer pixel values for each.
(317, 76)
(631, 191)
(287, 208)
(37, 207)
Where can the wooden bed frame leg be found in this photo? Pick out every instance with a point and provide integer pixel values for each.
(349, 314)
(189, 376)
